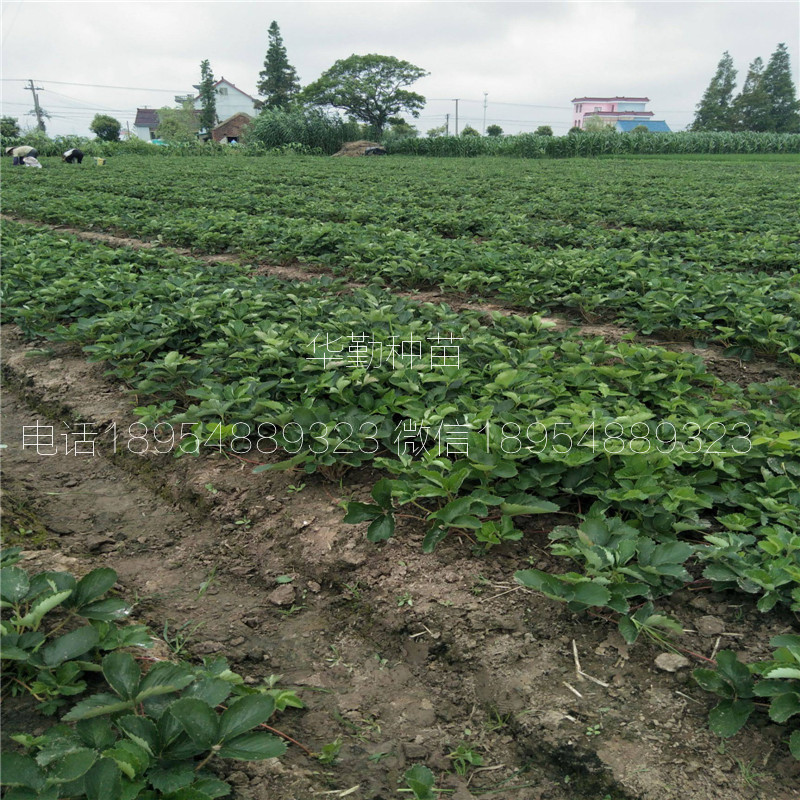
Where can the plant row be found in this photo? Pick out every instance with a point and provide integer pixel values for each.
(150, 728)
(706, 282)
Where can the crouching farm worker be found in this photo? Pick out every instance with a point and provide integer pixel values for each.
(73, 155)
(20, 153)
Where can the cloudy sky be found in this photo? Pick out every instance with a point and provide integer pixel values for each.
(531, 58)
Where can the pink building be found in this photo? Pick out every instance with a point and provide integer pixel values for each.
(610, 109)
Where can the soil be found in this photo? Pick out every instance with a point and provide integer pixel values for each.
(400, 655)
(729, 369)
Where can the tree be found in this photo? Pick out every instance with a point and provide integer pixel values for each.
(433, 133)
(469, 131)
(494, 130)
(544, 130)
(715, 110)
(778, 85)
(9, 127)
(574, 129)
(178, 124)
(368, 87)
(594, 124)
(278, 80)
(640, 129)
(400, 129)
(753, 106)
(105, 128)
(208, 97)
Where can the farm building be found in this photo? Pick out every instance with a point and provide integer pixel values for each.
(613, 110)
(146, 123)
(230, 131)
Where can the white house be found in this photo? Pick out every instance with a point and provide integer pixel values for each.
(230, 100)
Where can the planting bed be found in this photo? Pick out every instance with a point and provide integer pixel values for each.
(416, 639)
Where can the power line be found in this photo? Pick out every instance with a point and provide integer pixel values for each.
(97, 85)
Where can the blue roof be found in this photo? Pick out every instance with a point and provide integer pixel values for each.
(655, 125)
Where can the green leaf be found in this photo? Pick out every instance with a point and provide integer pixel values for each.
(96, 706)
(14, 584)
(213, 787)
(96, 732)
(211, 691)
(171, 778)
(245, 714)
(784, 706)
(130, 758)
(72, 766)
(420, 780)
(381, 528)
(361, 512)
(41, 607)
(794, 744)
(69, 646)
(737, 673)
(103, 781)
(628, 629)
(711, 681)
(106, 610)
(253, 747)
(93, 585)
(198, 720)
(19, 770)
(141, 730)
(729, 716)
(533, 506)
(164, 678)
(382, 494)
(591, 594)
(433, 538)
(783, 672)
(122, 673)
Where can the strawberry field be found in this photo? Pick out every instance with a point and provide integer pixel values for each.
(579, 376)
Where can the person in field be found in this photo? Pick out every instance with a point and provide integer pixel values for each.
(21, 152)
(72, 155)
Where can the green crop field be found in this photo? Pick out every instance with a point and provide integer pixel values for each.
(662, 472)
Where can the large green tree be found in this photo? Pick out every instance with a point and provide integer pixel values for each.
(105, 128)
(752, 107)
(9, 127)
(208, 97)
(371, 88)
(278, 81)
(715, 111)
(178, 124)
(778, 85)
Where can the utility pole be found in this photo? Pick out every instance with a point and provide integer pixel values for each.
(446, 124)
(485, 103)
(456, 102)
(36, 107)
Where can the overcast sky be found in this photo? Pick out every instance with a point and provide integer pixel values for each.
(531, 58)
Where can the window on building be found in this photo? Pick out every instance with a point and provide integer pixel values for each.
(222, 90)
(597, 108)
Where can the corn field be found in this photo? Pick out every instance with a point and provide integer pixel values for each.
(529, 145)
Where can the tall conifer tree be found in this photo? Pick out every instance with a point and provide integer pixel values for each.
(715, 110)
(208, 97)
(777, 83)
(278, 81)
